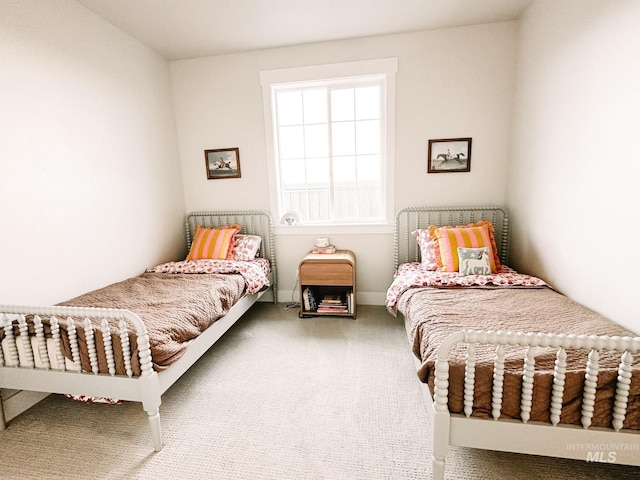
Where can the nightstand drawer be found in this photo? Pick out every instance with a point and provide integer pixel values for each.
(326, 274)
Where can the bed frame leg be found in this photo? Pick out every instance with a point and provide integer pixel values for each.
(156, 430)
(151, 401)
(438, 468)
(440, 443)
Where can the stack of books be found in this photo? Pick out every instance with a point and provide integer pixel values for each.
(333, 304)
(327, 249)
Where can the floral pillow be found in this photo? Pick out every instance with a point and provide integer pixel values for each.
(245, 248)
(474, 261)
(428, 246)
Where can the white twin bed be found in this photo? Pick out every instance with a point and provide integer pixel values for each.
(505, 362)
(134, 339)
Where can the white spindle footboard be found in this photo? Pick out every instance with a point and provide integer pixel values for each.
(533, 437)
(33, 358)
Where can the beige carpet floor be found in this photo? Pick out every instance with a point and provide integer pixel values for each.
(278, 397)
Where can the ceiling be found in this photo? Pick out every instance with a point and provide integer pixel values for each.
(178, 29)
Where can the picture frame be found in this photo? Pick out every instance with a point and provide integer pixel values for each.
(449, 155)
(222, 163)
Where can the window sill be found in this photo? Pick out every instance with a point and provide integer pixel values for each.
(333, 229)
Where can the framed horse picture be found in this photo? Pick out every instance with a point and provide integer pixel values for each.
(222, 163)
(449, 155)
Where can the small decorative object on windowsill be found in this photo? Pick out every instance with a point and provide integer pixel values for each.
(290, 218)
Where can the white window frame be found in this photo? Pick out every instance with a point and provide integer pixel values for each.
(387, 67)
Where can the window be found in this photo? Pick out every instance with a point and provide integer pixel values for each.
(329, 139)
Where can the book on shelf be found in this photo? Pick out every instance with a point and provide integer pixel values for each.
(332, 310)
(309, 300)
(333, 304)
(332, 299)
(327, 249)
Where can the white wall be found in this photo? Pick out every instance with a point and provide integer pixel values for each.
(90, 184)
(451, 83)
(573, 180)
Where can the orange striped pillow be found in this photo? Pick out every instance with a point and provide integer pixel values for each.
(212, 243)
(476, 235)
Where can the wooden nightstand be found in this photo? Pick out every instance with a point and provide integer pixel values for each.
(328, 284)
